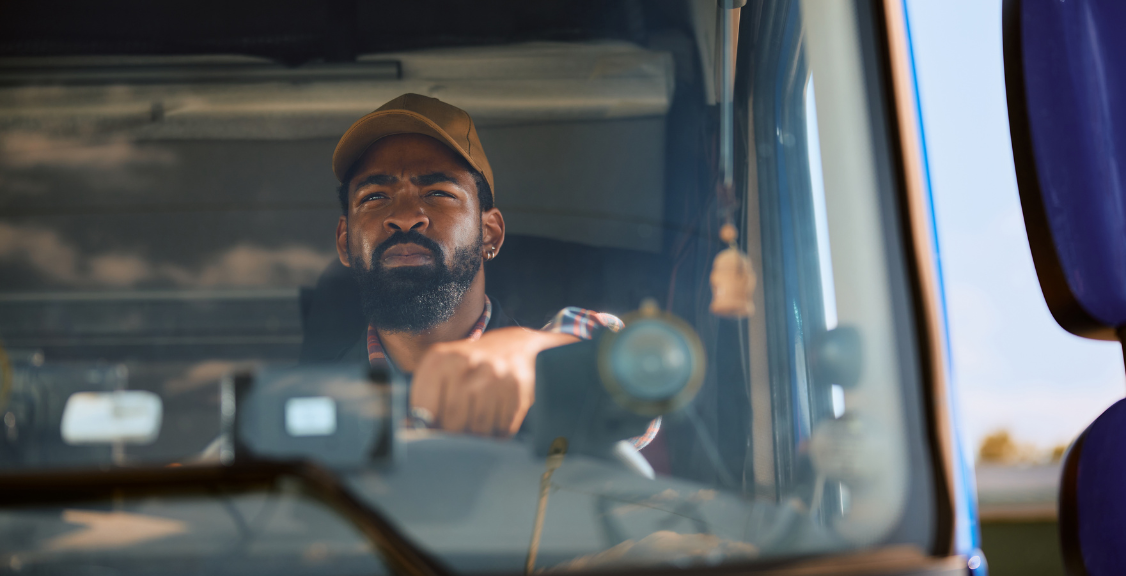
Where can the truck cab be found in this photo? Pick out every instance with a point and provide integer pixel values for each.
(168, 275)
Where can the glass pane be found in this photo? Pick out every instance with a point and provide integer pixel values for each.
(241, 532)
(170, 222)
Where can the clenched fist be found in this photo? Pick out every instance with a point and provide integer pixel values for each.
(485, 386)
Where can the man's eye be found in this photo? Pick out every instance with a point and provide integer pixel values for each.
(372, 196)
(440, 193)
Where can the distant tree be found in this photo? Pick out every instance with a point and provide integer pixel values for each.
(998, 448)
(1001, 448)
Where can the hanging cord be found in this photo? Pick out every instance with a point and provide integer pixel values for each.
(728, 203)
(732, 277)
(5, 378)
(554, 461)
(710, 450)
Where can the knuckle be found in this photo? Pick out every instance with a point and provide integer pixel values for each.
(484, 371)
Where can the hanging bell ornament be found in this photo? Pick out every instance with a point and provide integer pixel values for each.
(733, 280)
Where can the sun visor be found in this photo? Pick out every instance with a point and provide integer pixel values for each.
(236, 97)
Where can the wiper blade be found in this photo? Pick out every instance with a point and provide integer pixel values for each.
(403, 557)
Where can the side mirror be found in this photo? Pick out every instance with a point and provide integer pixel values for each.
(601, 391)
(128, 416)
(1092, 502)
(340, 416)
(1065, 77)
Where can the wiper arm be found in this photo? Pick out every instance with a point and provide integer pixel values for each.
(55, 487)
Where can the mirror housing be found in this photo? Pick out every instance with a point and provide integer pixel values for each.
(341, 416)
(127, 416)
(598, 392)
(1092, 503)
(1065, 77)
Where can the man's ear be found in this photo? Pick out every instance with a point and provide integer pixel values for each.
(342, 241)
(492, 230)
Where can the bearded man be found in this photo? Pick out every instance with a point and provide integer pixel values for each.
(418, 224)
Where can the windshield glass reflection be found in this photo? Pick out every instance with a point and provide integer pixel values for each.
(516, 317)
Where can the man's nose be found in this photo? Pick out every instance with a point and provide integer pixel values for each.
(406, 215)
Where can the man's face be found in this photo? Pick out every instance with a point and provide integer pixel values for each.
(413, 234)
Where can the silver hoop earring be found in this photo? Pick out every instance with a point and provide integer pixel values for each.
(492, 253)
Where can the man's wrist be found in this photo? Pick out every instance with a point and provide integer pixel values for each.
(553, 339)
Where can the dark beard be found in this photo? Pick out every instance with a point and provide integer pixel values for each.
(415, 299)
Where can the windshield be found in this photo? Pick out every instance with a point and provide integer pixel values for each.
(726, 370)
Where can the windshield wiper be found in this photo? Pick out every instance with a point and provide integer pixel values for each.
(56, 487)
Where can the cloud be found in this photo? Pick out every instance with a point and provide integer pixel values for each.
(42, 249)
(109, 530)
(249, 265)
(243, 265)
(119, 270)
(32, 163)
(24, 150)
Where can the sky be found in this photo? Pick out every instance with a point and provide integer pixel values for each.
(1014, 367)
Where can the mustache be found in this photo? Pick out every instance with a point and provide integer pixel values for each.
(408, 237)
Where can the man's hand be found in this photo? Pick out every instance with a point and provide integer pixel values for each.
(486, 386)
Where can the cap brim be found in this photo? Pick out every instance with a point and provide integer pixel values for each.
(369, 129)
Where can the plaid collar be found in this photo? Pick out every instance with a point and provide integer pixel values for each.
(377, 356)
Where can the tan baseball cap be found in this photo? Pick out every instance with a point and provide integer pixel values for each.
(413, 114)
